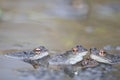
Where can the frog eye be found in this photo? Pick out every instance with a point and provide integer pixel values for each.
(102, 53)
(75, 50)
(37, 50)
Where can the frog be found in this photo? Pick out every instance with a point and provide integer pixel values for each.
(72, 70)
(70, 57)
(34, 54)
(104, 57)
(88, 69)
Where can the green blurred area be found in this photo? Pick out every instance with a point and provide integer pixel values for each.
(26, 24)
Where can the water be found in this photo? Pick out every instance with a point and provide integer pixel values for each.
(58, 25)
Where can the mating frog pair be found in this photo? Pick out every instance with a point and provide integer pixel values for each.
(35, 54)
(104, 57)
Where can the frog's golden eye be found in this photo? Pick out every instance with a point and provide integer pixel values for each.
(102, 53)
(37, 50)
(75, 50)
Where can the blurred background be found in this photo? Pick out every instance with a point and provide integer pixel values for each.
(58, 25)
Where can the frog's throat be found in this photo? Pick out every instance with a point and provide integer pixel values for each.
(39, 56)
(100, 59)
(76, 58)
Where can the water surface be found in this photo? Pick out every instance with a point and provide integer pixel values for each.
(58, 25)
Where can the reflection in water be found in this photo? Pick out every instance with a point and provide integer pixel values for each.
(9, 68)
(59, 25)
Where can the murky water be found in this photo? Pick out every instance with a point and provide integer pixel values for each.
(58, 25)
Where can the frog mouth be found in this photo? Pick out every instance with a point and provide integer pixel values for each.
(101, 59)
(35, 57)
(39, 56)
(73, 60)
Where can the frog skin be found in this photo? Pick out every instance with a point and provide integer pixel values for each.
(104, 57)
(70, 57)
(35, 54)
